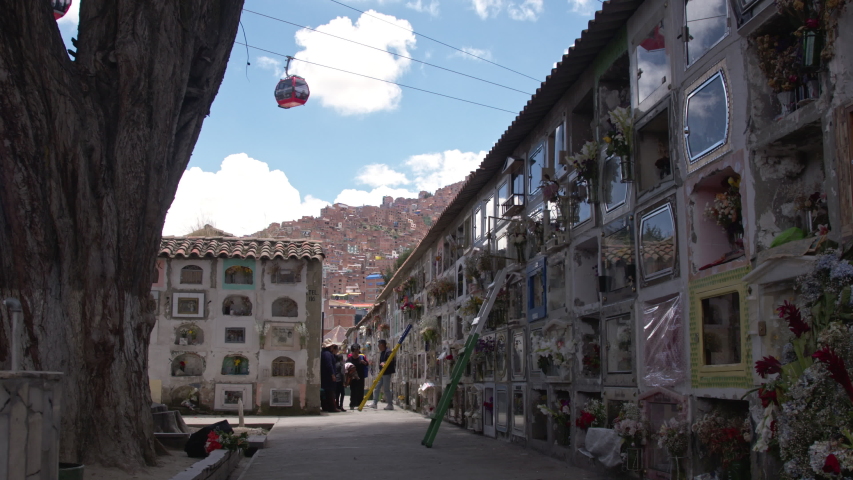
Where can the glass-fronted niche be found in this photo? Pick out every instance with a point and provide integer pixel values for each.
(721, 329)
(707, 121)
(537, 288)
(657, 242)
(620, 345)
(618, 261)
(652, 62)
(706, 23)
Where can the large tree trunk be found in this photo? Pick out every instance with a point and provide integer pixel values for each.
(91, 153)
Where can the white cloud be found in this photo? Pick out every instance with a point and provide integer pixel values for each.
(584, 7)
(72, 18)
(435, 170)
(487, 8)
(350, 94)
(355, 197)
(379, 174)
(529, 10)
(485, 54)
(243, 197)
(420, 6)
(272, 64)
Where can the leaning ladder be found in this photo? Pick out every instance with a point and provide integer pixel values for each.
(470, 344)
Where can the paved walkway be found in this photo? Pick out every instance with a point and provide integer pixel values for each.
(387, 444)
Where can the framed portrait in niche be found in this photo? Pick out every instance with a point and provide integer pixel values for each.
(188, 305)
(518, 354)
(232, 397)
(235, 335)
(281, 397)
(281, 336)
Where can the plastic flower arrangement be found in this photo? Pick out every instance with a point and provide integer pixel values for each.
(484, 350)
(630, 425)
(472, 305)
(723, 436)
(726, 209)
(441, 289)
(218, 439)
(674, 435)
(551, 350)
(593, 415)
(620, 139)
(585, 162)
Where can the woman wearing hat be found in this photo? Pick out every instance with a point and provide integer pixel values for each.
(328, 376)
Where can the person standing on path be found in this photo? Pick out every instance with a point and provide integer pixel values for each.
(340, 371)
(384, 382)
(356, 386)
(328, 379)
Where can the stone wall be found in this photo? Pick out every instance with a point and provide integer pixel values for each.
(29, 425)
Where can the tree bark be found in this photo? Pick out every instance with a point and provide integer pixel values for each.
(91, 153)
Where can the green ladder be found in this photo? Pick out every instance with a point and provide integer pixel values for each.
(459, 368)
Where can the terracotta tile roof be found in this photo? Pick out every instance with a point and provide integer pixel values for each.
(661, 251)
(258, 248)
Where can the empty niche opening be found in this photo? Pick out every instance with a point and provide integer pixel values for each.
(539, 422)
(189, 334)
(235, 365)
(237, 305)
(586, 269)
(187, 365)
(717, 219)
(655, 166)
(285, 307)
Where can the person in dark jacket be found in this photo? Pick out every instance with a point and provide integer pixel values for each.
(384, 382)
(340, 371)
(328, 378)
(356, 386)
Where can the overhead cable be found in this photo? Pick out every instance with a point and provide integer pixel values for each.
(386, 51)
(434, 40)
(378, 79)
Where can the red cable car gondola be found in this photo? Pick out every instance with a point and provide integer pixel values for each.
(60, 8)
(291, 91)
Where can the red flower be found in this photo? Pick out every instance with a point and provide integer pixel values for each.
(832, 464)
(791, 313)
(836, 367)
(767, 397)
(768, 366)
(212, 442)
(585, 421)
(812, 24)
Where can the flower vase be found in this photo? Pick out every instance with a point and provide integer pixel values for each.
(592, 192)
(633, 460)
(676, 469)
(735, 233)
(786, 100)
(563, 434)
(626, 167)
(738, 470)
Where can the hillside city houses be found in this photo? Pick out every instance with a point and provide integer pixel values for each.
(659, 208)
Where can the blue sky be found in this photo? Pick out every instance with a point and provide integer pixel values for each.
(358, 139)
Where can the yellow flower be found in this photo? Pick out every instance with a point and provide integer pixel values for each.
(734, 182)
(607, 139)
(237, 361)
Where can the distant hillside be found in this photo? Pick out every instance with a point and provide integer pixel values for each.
(362, 240)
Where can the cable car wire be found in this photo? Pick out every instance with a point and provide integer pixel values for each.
(434, 40)
(378, 79)
(386, 51)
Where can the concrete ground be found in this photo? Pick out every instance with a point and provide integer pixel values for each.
(387, 444)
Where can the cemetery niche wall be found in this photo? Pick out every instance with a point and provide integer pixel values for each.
(212, 344)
